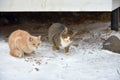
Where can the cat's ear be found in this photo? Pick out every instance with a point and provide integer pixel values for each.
(39, 37)
(65, 31)
(30, 39)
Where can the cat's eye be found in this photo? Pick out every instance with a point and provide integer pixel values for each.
(34, 44)
(38, 43)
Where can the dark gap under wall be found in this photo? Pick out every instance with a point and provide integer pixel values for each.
(51, 17)
(38, 22)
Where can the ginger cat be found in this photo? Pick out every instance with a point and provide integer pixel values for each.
(21, 42)
(60, 36)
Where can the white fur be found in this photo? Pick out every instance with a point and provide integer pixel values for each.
(32, 48)
(66, 42)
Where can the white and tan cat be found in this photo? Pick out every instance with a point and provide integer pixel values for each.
(21, 42)
(60, 36)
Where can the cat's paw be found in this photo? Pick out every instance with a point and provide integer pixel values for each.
(67, 53)
(21, 55)
(57, 51)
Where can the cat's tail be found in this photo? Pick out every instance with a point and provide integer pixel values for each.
(73, 35)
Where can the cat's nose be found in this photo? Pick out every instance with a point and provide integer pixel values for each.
(68, 40)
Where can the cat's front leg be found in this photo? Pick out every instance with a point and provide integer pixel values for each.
(67, 50)
(55, 48)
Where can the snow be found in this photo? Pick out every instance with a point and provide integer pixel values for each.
(86, 60)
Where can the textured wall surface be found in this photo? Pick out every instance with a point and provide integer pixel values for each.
(58, 5)
(115, 4)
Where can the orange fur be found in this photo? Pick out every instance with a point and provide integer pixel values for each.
(21, 42)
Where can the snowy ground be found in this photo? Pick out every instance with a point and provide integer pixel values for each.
(86, 61)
